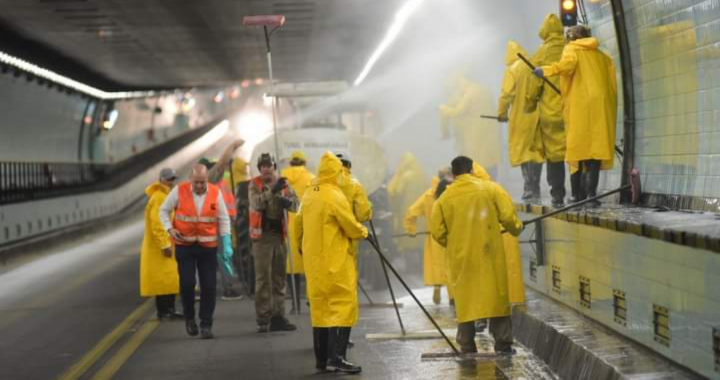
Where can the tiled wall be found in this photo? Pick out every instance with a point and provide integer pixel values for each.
(650, 272)
(675, 52)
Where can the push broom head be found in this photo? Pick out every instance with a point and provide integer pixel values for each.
(635, 190)
(264, 20)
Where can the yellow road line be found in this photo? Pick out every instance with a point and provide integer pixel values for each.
(106, 343)
(124, 353)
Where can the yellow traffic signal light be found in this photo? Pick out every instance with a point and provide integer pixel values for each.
(568, 12)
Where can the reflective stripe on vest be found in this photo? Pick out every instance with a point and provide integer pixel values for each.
(202, 227)
(229, 198)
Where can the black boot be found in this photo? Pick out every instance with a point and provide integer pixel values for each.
(591, 179)
(336, 346)
(576, 188)
(531, 189)
(281, 324)
(556, 180)
(536, 176)
(320, 344)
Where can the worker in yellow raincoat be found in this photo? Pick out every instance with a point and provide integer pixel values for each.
(474, 136)
(158, 268)
(524, 145)
(299, 179)
(325, 226)
(408, 183)
(589, 92)
(547, 102)
(434, 262)
(478, 268)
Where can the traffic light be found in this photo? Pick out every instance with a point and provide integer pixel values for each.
(568, 12)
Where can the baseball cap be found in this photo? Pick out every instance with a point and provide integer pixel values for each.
(168, 174)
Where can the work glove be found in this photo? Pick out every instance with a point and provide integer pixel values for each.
(539, 72)
(227, 255)
(502, 118)
(280, 184)
(285, 202)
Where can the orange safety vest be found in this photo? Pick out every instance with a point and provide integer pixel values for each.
(256, 216)
(229, 198)
(201, 228)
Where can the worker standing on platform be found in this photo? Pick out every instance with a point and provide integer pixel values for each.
(298, 178)
(478, 270)
(158, 268)
(270, 197)
(434, 261)
(547, 102)
(524, 143)
(589, 92)
(200, 217)
(325, 227)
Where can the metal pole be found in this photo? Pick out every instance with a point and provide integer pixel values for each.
(362, 289)
(295, 296)
(387, 278)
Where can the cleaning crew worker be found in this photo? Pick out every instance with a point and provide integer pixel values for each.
(589, 93)
(407, 183)
(524, 144)
(542, 97)
(200, 217)
(478, 270)
(242, 258)
(270, 197)
(158, 268)
(434, 261)
(325, 226)
(299, 178)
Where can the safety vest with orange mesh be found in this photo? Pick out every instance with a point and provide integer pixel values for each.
(229, 198)
(202, 227)
(256, 216)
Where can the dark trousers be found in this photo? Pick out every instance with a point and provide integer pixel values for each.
(531, 172)
(584, 182)
(193, 259)
(500, 329)
(330, 343)
(165, 304)
(556, 180)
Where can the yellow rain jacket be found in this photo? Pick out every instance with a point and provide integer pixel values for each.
(239, 171)
(465, 220)
(299, 179)
(158, 274)
(434, 262)
(325, 226)
(551, 124)
(524, 139)
(511, 245)
(474, 136)
(406, 185)
(589, 90)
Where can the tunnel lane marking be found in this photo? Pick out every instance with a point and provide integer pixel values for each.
(126, 351)
(107, 342)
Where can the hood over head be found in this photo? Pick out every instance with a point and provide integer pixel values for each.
(551, 27)
(511, 54)
(330, 170)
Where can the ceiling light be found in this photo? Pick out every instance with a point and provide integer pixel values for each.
(400, 18)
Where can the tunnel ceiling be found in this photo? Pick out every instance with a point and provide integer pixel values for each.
(178, 43)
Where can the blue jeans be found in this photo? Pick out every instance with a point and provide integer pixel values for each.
(192, 258)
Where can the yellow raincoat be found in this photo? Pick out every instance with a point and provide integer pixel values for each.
(299, 179)
(524, 139)
(589, 91)
(551, 124)
(434, 262)
(465, 220)
(474, 136)
(405, 186)
(158, 274)
(325, 226)
(239, 171)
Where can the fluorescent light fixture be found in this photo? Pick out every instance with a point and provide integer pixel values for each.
(67, 82)
(400, 18)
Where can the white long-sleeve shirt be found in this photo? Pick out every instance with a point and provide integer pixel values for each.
(171, 203)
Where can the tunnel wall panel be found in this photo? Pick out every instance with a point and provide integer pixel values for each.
(650, 272)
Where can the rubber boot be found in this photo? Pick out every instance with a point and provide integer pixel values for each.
(576, 188)
(337, 346)
(591, 179)
(531, 180)
(536, 176)
(556, 181)
(320, 345)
